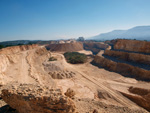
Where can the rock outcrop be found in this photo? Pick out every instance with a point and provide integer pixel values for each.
(122, 68)
(133, 45)
(65, 47)
(134, 57)
(29, 98)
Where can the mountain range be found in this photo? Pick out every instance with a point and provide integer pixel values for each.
(138, 33)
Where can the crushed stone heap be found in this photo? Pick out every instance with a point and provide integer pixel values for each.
(29, 98)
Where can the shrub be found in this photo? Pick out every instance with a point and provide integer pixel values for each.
(52, 59)
(1, 46)
(75, 57)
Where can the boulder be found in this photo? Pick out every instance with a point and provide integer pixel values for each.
(70, 93)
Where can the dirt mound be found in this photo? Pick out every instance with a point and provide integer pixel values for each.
(57, 70)
(104, 95)
(142, 97)
(139, 91)
(65, 47)
(133, 45)
(53, 66)
(62, 74)
(29, 98)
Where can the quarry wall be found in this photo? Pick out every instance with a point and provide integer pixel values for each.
(95, 47)
(134, 57)
(122, 68)
(133, 45)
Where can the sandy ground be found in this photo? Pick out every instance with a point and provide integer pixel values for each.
(19, 71)
(89, 79)
(86, 83)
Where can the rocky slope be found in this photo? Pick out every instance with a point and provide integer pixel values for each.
(29, 98)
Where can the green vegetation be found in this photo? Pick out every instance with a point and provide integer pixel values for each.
(52, 59)
(1, 46)
(10, 45)
(75, 57)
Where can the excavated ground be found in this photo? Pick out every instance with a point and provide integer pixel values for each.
(95, 88)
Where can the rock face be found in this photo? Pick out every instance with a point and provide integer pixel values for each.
(95, 47)
(134, 57)
(122, 68)
(129, 57)
(26, 98)
(65, 47)
(133, 45)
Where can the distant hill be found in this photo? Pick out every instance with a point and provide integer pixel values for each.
(139, 33)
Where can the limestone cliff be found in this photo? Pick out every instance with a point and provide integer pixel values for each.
(133, 45)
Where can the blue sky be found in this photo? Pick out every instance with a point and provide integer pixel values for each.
(56, 19)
